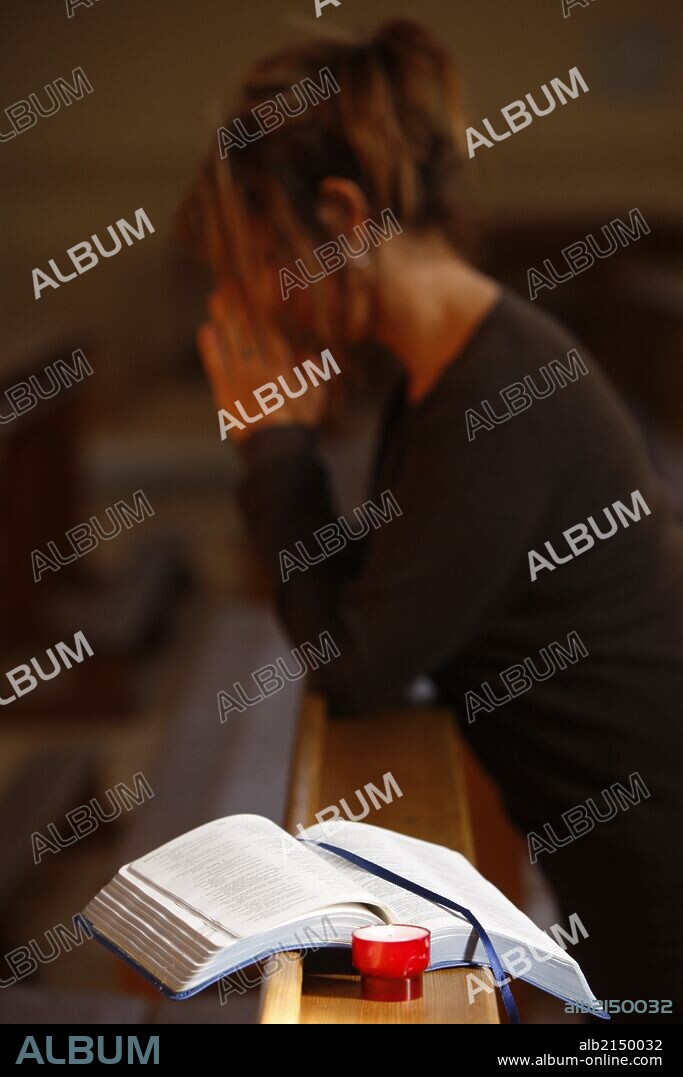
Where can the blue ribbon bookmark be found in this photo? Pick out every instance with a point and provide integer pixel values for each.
(437, 899)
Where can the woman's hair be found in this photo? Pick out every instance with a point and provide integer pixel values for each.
(392, 128)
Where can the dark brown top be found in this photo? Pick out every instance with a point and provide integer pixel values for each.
(445, 589)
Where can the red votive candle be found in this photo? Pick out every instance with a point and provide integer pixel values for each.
(391, 959)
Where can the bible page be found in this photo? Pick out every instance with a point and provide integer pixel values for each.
(233, 873)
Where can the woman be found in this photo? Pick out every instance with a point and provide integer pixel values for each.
(461, 586)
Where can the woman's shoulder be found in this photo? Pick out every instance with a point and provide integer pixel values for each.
(515, 340)
(527, 388)
(517, 355)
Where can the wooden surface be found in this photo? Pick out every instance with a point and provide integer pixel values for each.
(333, 760)
(331, 995)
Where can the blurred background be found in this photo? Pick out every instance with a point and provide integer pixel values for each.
(173, 606)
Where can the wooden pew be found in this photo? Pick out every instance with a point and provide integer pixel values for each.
(333, 759)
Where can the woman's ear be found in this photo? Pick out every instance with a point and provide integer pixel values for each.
(341, 205)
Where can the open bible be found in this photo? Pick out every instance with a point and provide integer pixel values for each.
(239, 889)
